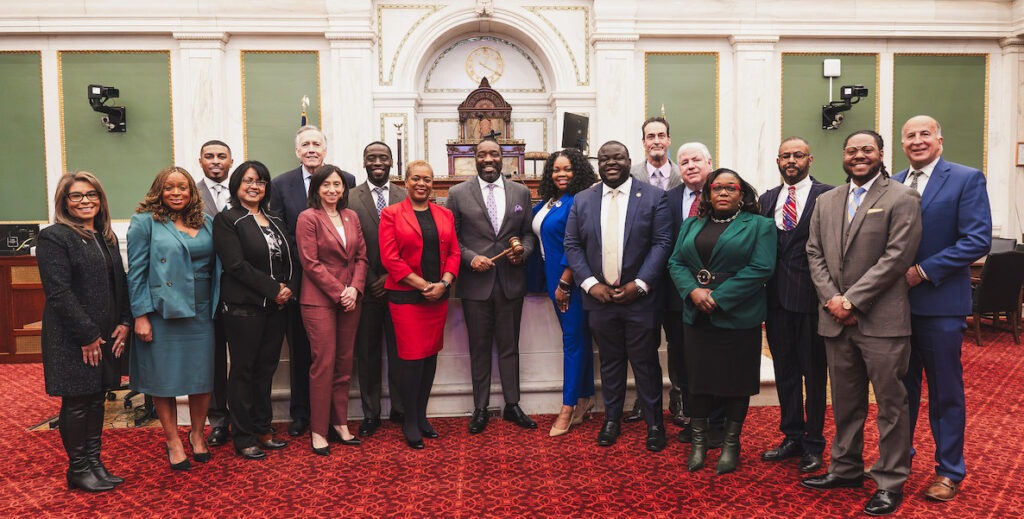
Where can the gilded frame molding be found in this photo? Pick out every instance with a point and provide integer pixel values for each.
(42, 122)
(536, 10)
(319, 95)
(431, 9)
(426, 132)
(405, 125)
(718, 85)
(782, 78)
(536, 70)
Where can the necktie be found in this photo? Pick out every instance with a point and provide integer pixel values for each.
(492, 208)
(220, 195)
(379, 191)
(851, 211)
(611, 241)
(694, 204)
(789, 211)
(913, 179)
(659, 179)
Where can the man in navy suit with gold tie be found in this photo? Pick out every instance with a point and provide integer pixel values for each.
(798, 352)
(957, 223)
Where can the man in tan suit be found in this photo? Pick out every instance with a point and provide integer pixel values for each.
(863, 237)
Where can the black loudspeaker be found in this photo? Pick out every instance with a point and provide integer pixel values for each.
(574, 131)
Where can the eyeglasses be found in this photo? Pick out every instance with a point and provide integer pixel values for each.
(93, 196)
(797, 155)
(852, 150)
(728, 188)
(254, 182)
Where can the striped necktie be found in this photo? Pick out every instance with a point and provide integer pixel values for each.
(789, 211)
(851, 210)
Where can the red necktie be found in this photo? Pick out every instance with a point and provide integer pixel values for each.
(789, 211)
(694, 205)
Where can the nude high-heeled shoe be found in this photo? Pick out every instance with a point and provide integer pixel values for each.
(555, 431)
(582, 411)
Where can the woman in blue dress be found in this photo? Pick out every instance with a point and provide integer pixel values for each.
(566, 173)
(173, 281)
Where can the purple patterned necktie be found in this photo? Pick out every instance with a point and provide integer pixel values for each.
(492, 208)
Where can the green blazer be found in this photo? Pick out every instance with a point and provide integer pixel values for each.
(746, 248)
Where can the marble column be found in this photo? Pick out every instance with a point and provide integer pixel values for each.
(348, 96)
(617, 78)
(198, 79)
(1005, 187)
(751, 138)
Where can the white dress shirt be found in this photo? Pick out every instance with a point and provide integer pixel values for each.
(666, 171)
(623, 200)
(803, 191)
(499, 197)
(690, 197)
(223, 201)
(922, 180)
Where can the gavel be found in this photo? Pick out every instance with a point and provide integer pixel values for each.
(515, 246)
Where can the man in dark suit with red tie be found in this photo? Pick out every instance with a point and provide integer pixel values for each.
(288, 199)
(798, 352)
(617, 242)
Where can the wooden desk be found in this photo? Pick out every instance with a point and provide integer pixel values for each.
(976, 268)
(21, 301)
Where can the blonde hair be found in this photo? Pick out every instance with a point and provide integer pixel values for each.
(192, 214)
(62, 216)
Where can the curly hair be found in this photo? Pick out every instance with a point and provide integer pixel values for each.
(748, 202)
(192, 215)
(583, 175)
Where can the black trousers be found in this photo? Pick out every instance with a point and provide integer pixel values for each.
(299, 360)
(218, 412)
(798, 354)
(672, 322)
(489, 323)
(416, 378)
(625, 334)
(375, 329)
(255, 343)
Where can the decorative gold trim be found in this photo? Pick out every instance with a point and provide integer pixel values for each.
(42, 122)
(405, 126)
(542, 120)
(987, 56)
(782, 79)
(431, 9)
(319, 100)
(536, 10)
(718, 88)
(440, 57)
(426, 132)
(60, 92)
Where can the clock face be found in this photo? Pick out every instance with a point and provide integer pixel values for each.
(484, 62)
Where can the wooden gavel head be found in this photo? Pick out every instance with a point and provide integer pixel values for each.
(516, 245)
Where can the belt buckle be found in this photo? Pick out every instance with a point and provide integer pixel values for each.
(703, 276)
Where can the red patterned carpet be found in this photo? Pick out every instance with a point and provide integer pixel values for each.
(504, 472)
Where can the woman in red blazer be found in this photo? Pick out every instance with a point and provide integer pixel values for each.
(419, 250)
(333, 257)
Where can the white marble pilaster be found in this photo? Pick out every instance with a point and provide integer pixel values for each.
(751, 138)
(1005, 187)
(201, 109)
(348, 97)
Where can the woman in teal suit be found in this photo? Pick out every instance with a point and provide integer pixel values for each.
(720, 265)
(566, 173)
(173, 281)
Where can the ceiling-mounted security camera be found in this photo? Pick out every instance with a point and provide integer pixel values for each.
(115, 118)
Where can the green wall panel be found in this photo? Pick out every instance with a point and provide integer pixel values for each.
(952, 90)
(805, 91)
(273, 86)
(127, 162)
(22, 146)
(687, 85)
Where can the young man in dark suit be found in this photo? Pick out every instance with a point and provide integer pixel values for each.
(798, 352)
(617, 242)
(288, 199)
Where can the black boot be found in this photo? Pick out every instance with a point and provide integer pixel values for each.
(74, 414)
(730, 447)
(92, 441)
(698, 444)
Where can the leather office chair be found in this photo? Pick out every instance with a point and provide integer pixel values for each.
(1002, 245)
(999, 291)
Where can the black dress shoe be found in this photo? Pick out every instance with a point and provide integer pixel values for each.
(513, 413)
(478, 422)
(884, 502)
(396, 417)
(218, 436)
(830, 481)
(811, 462)
(415, 444)
(636, 414)
(609, 433)
(298, 427)
(268, 442)
(429, 432)
(369, 426)
(787, 449)
(655, 438)
(679, 418)
(251, 453)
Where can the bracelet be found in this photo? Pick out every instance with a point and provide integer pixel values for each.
(564, 290)
(564, 285)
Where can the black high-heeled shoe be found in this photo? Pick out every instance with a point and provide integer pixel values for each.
(201, 457)
(353, 441)
(429, 432)
(181, 465)
(319, 451)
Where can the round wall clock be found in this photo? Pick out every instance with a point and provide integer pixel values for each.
(484, 62)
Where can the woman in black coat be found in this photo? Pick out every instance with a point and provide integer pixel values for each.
(85, 321)
(257, 281)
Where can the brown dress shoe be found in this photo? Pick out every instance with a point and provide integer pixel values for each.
(942, 489)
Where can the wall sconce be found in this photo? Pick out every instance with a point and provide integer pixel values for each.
(849, 95)
(115, 118)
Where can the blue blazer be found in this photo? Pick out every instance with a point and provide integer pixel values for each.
(160, 274)
(542, 275)
(956, 230)
(646, 246)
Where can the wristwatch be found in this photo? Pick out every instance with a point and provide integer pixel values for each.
(446, 284)
(847, 305)
(640, 290)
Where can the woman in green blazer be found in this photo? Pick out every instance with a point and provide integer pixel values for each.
(721, 262)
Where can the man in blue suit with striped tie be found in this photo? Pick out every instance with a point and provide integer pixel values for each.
(957, 230)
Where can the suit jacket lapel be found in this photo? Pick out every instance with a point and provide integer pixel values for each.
(169, 225)
(364, 195)
(939, 176)
(409, 215)
(329, 225)
(509, 209)
(870, 198)
(729, 233)
(633, 200)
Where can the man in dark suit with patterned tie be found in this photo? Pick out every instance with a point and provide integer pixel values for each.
(617, 243)
(375, 327)
(288, 199)
(798, 352)
(215, 160)
(957, 231)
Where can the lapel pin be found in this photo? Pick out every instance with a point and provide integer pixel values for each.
(638, 195)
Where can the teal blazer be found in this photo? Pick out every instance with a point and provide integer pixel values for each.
(160, 274)
(746, 248)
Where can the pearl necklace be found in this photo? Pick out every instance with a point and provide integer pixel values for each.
(725, 220)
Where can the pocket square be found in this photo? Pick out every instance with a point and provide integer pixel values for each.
(875, 210)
